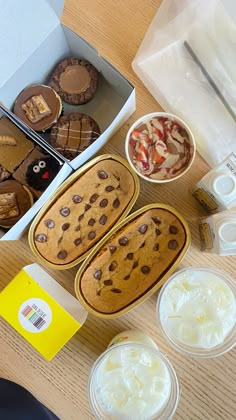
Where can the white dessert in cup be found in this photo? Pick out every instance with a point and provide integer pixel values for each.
(196, 309)
(131, 380)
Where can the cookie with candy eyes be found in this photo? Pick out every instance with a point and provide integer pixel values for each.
(41, 172)
(33, 178)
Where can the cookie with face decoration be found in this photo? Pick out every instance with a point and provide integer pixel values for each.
(37, 171)
(41, 172)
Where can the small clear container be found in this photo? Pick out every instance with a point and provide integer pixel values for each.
(198, 305)
(131, 399)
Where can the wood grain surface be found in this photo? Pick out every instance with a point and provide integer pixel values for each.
(116, 28)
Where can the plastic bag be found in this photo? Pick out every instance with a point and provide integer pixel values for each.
(177, 82)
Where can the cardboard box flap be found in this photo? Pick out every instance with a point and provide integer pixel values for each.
(57, 6)
(57, 292)
(24, 30)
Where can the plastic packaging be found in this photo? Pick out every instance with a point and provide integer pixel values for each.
(177, 82)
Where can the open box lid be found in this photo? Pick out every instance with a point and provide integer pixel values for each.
(23, 29)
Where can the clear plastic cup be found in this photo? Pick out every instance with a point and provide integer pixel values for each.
(101, 390)
(196, 311)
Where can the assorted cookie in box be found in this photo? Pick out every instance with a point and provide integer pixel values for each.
(25, 172)
(41, 107)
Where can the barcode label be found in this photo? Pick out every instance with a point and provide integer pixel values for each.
(35, 315)
(32, 316)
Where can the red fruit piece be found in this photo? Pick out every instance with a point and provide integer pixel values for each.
(136, 133)
(157, 158)
(132, 142)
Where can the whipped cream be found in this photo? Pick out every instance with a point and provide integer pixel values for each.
(132, 382)
(198, 308)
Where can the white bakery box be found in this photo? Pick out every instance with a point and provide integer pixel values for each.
(33, 41)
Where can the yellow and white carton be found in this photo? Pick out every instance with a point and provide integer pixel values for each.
(41, 310)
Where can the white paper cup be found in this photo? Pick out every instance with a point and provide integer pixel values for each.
(130, 152)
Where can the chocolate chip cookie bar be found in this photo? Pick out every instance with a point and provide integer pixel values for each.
(84, 212)
(133, 261)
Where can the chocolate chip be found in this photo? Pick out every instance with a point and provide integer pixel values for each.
(102, 175)
(77, 199)
(98, 274)
(123, 241)
(93, 198)
(158, 232)
(104, 202)
(130, 256)
(77, 229)
(135, 264)
(145, 269)
(91, 235)
(143, 228)
(114, 290)
(109, 188)
(98, 292)
(108, 282)
(142, 245)
(41, 237)
(116, 203)
(87, 207)
(80, 217)
(156, 247)
(91, 222)
(127, 277)
(77, 241)
(62, 255)
(65, 211)
(173, 244)
(156, 220)
(49, 223)
(65, 226)
(103, 219)
(112, 266)
(173, 229)
(112, 248)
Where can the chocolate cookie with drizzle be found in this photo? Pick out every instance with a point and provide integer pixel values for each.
(73, 133)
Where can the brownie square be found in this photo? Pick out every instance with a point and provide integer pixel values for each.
(14, 145)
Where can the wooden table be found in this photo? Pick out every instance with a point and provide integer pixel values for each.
(116, 28)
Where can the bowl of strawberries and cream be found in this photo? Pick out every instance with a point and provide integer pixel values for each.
(160, 147)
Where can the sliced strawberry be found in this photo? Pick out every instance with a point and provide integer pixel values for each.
(158, 133)
(145, 165)
(132, 142)
(139, 157)
(136, 133)
(143, 150)
(157, 158)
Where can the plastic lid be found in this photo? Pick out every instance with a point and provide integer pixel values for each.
(227, 231)
(224, 184)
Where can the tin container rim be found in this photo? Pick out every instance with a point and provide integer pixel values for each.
(62, 188)
(102, 242)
